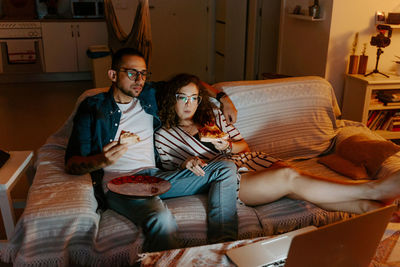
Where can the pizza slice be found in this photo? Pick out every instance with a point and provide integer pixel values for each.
(211, 132)
(129, 138)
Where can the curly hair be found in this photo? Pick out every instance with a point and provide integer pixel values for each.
(204, 113)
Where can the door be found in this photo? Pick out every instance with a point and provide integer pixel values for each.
(87, 34)
(59, 47)
(269, 36)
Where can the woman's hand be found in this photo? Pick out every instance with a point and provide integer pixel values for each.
(195, 165)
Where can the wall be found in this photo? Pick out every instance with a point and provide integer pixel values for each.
(349, 17)
(303, 45)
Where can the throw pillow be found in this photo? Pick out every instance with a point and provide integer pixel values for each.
(344, 166)
(359, 156)
(361, 150)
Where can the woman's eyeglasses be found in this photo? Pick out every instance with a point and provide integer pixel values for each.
(134, 75)
(181, 98)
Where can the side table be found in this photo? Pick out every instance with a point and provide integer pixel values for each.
(11, 172)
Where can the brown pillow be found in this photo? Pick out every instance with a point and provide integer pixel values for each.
(370, 153)
(344, 166)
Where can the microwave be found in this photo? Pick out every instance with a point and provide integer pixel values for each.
(87, 8)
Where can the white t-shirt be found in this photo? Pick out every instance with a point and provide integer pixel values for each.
(139, 156)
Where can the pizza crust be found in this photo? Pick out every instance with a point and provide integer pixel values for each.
(211, 132)
(128, 138)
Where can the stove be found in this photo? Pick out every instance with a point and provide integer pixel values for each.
(20, 30)
(21, 47)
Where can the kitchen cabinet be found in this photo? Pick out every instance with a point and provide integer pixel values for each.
(65, 44)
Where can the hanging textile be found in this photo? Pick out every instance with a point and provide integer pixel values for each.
(140, 35)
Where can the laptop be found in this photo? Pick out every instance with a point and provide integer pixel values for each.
(350, 242)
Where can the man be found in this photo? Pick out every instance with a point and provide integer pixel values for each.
(93, 147)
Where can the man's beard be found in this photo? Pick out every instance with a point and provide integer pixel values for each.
(130, 93)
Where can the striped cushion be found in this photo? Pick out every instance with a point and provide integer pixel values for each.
(287, 214)
(191, 216)
(291, 119)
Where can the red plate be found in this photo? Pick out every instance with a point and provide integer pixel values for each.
(139, 185)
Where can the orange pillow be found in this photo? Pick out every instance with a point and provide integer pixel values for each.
(344, 166)
(370, 153)
(359, 157)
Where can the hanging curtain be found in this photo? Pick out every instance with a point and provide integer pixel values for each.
(140, 35)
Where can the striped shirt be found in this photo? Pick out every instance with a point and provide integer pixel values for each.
(174, 146)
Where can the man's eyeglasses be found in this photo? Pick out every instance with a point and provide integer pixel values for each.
(181, 98)
(133, 74)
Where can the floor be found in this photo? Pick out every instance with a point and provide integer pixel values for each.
(29, 113)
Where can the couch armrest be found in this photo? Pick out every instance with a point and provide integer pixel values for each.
(60, 210)
(390, 166)
(348, 128)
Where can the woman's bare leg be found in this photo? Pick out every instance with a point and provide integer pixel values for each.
(355, 206)
(266, 186)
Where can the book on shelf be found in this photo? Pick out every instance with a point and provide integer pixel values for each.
(383, 120)
(389, 97)
(374, 99)
(371, 117)
(377, 120)
(388, 124)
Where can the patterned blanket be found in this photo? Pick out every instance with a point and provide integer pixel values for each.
(387, 254)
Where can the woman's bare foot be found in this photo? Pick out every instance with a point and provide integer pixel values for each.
(386, 189)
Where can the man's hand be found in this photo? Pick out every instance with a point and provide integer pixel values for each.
(228, 109)
(110, 154)
(227, 106)
(195, 165)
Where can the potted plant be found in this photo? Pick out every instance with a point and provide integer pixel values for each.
(362, 64)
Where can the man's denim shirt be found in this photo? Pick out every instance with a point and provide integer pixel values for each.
(97, 119)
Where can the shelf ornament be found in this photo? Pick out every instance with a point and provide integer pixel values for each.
(353, 61)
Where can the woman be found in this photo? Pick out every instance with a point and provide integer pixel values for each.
(186, 108)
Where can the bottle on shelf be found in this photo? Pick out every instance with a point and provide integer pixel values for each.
(315, 10)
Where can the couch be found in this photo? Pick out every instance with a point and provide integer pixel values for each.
(296, 119)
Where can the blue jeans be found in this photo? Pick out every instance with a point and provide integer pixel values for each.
(157, 221)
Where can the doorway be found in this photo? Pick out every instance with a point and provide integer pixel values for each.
(263, 22)
(268, 36)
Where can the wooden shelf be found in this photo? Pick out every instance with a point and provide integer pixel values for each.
(304, 17)
(393, 26)
(388, 134)
(357, 98)
(383, 107)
